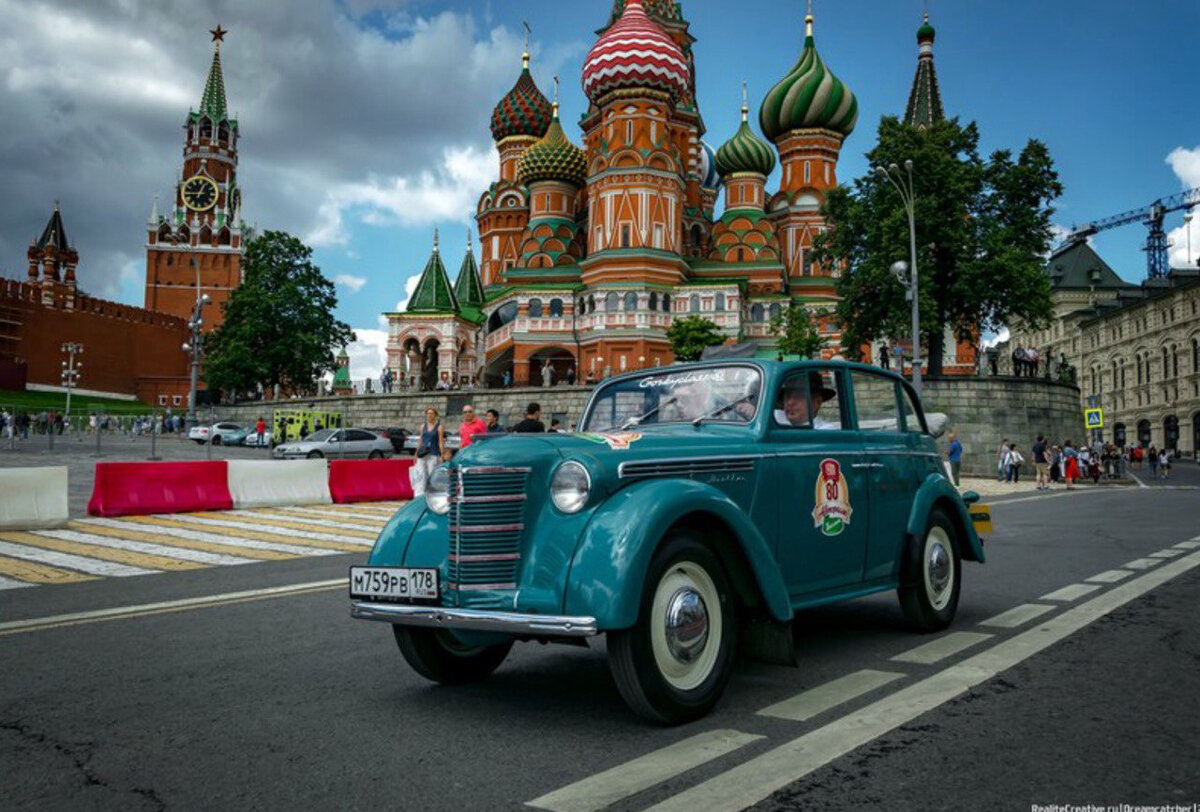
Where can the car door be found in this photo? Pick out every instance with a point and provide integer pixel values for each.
(819, 483)
(362, 442)
(879, 419)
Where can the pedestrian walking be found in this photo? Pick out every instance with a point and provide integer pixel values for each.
(471, 425)
(1152, 461)
(430, 451)
(1071, 472)
(1164, 463)
(1041, 462)
(954, 456)
(1002, 461)
(532, 423)
(1013, 464)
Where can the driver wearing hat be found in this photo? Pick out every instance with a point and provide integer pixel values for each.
(794, 406)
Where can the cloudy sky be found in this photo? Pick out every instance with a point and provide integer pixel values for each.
(364, 122)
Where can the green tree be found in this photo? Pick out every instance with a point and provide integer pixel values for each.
(797, 331)
(279, 326)
(690, 335)
(983, 230)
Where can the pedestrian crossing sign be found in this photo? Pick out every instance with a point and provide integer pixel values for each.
(1093, 418)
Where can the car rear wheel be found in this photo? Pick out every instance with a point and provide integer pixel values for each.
(437, 656)
(933, 580)
(216, 440)
(375, 455)
(672, 666)
(315, 455)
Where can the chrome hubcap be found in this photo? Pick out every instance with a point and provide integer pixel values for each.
(939, 568)
(686, 625)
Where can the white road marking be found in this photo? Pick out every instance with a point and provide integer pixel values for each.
(1018, 615)
(1166, 553)
(1070, 593)
(187, 518)
(259, 514)
(1138, 480)
(12, 583)
(1051, 495)
(941, 648)
(142, 610)
(1140, 564)
(606, 788)
(754, 780)
(298, 513)
(91, 566)
(216, 559)
(1188, 545)
(804, 706)
(1109, 577)
(214, 538)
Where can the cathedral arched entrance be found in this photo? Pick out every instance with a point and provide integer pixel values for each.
(493, 372)
(1143, 429)
(557, 358)
(429, 364)
(1171, 432)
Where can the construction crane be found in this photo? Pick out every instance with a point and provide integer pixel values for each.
(1156, 246)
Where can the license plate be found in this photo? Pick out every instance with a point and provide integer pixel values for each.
(393, 583)
(981, 518)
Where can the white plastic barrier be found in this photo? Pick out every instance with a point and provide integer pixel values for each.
(33, 498)
(277, 483)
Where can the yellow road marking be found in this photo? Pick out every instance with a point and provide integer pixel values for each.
(144, 560)
(186, 544)
(233, 532)
(290, 525)
(36, 573)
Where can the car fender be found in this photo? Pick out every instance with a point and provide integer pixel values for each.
(613, 554)
(936, 488)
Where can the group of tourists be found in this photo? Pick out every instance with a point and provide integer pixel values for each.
(432, 448)
(1067, 463)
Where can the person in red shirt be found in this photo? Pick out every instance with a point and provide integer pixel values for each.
(260, 428)
(472, 424)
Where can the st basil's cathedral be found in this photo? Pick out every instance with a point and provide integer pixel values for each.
(588, 254)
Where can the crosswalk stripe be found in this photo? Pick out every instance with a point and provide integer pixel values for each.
(195, 558)
(75, 562)
(231, 540)
(1109, 576)
(11, 583)
(1188, 545)
(221, 529)
(941, 648)
(370, 507)
(39, 573)
(280, 527)
(814, 701)
(1070, 593)
(310, 524)
(1018, 616)
(376, 519)
(1140, 564)
(74, 547)
(241, 548)
(1166, 553)
(606, 788)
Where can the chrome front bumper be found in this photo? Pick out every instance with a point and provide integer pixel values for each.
(440, 617)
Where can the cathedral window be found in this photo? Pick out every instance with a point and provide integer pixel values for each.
(611, 301)
(631, 301)
(757, 313)
(535, 308)
(808, 171)
(666, 303)
(775, 311)
(653, 131)
(629, 133)
(626, 236)
(827, 181)
(659, 238)
(599, 240)
(694, 304)
(653, 304)
(720, 302)
(556, 308)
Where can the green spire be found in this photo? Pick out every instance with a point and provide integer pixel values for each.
(213, 103)
(433, 293)
(468, 288)
(925, 99)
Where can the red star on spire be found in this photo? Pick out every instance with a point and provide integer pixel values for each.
(218, 33)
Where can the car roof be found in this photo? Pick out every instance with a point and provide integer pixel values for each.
(769, 367)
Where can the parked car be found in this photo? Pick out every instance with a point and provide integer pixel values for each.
(249, 437)
(413, 442)
(219, 433)
(337, 443)
(397, 435)
(698, 503)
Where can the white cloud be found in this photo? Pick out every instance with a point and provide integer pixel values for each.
(992, 340)
(1186, 165)
(368, 353)
(410, 285)
(352, 283)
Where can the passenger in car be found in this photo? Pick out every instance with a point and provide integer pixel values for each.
(793, 410)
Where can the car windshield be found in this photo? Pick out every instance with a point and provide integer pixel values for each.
(728, 394)
(319, 436)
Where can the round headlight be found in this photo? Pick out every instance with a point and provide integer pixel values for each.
(437, 491)
(570, 487)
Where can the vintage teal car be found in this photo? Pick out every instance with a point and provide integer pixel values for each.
(698, 504)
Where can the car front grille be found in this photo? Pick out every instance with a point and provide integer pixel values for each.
(487, 522)
(685, 468)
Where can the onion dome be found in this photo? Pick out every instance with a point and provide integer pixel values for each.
(553, 158)
(926, 31)
(745, 152)
(810, 96)
(635, 53)
(709, 177)
(524, 111)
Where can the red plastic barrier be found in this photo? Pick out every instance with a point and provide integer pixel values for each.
(138, 488)
(370, 480)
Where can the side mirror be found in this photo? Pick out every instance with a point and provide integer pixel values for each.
(937, 423)
(970, 497)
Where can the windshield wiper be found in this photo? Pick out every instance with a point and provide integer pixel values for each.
(723, 409)
(633, 422)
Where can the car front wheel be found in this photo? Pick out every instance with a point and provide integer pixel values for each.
(437, 656)
(673, 665)
(315, 455)
(933, 567)
(375, 455)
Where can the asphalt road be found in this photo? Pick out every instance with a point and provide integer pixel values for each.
(283, 702)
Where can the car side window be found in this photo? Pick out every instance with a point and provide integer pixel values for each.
(361, 435)
(807, 399)
(914, 418)
(875, 402)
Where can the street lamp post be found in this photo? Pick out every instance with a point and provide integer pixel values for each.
(904, 185)
(195, 347)
(70, 374)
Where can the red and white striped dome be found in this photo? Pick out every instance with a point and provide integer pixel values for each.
(635, 53)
